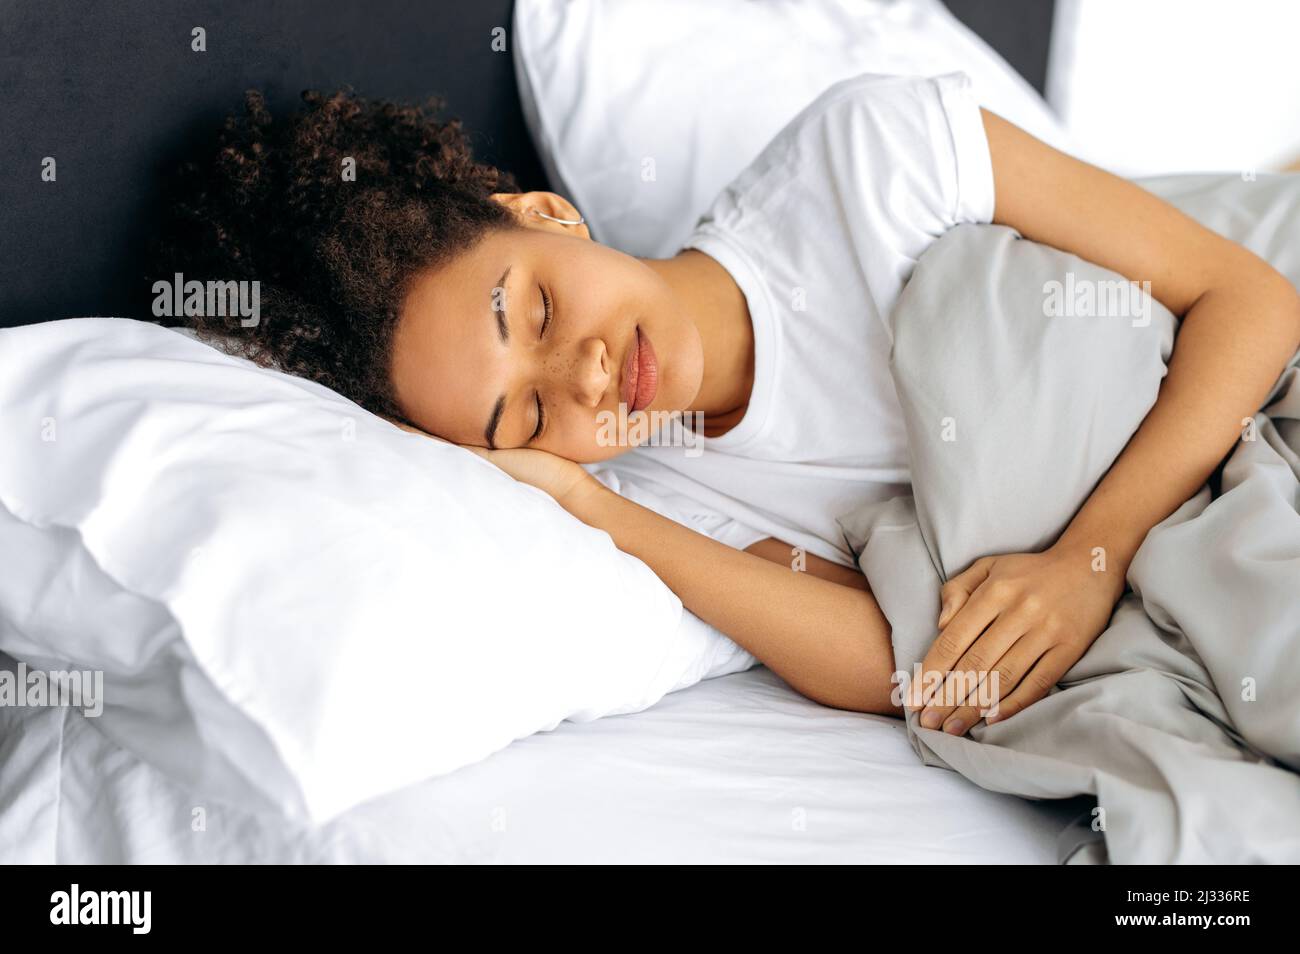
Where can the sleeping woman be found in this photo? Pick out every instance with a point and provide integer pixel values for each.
(428, 289)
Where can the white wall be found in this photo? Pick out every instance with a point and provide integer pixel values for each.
(1151, 86)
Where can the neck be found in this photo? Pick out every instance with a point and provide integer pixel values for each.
(716, 305)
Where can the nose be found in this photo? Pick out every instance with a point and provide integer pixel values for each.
(591, 377)
(581, 371)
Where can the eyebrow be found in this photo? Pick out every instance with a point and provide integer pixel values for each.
(503, 331)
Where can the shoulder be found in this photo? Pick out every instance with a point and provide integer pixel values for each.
(897, 147)
(900, 103)
(865, 178)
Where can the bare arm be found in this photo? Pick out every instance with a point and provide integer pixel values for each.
(821, 630)
(781, 553)
(1029, 617)
(828, 640)
(1241, 323)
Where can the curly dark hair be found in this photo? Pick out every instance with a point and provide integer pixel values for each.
(334, 257)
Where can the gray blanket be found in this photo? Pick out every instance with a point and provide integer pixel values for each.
(1183, 719)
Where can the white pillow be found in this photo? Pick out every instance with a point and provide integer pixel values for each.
(616, 90)
(296, 605)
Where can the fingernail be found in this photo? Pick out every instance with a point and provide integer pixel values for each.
(930, 718)
(943, 613)
(955, 727)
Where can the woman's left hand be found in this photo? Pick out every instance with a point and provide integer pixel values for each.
(1011, 626)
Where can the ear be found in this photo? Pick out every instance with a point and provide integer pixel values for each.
(526, 205)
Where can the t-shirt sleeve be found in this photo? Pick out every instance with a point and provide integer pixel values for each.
(684, 510)
(913, 147)
(972, 163)
(908, 153)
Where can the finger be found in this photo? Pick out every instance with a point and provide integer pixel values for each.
(1037, 683)
(962, 720)
(1001, 681)
(958, 635)
(958, 590)
(963, 685)
(995, 684)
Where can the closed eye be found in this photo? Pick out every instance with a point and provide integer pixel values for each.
(546, 322)
(541, 419)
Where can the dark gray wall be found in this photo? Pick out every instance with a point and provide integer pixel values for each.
(1018, 29)
(112, 90)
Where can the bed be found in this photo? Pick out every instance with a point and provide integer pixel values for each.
(738, 769)
(735, 769)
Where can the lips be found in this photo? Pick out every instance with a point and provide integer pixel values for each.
(640, 374)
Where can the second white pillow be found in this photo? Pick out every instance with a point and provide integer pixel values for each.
(643, 110)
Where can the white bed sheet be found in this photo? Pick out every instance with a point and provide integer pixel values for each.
(735, 769)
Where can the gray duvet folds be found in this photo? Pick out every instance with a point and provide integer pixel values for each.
(1183, 719)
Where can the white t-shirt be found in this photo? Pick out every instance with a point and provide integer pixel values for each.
(821, 232)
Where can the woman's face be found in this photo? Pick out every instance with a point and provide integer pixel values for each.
(477, 360)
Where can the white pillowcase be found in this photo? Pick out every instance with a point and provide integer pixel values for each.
(298, 606)
(617, 91)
